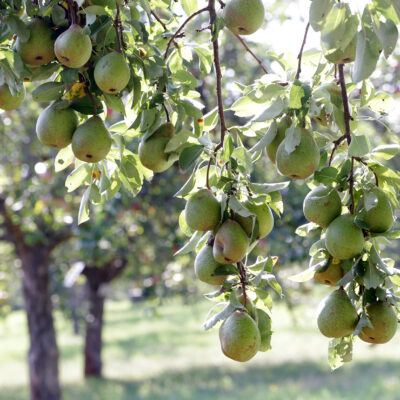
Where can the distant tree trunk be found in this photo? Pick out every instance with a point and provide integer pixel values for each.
(43, 350)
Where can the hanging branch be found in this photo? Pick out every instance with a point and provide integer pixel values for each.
(300, 55)
(246, 46)
(117, 24)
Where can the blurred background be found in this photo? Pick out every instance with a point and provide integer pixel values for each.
(119, 268)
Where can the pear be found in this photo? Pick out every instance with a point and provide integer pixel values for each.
(264, 326)
(343, 238)
(230, 244)
(243, 17)
(380, 217)
(112, 73)
(152, 150)
(73, 47)
(91, 141)
(202, 211)
(9, 101)
(302, 161)
(331, 274)
(282, 125)
(322, 205)
(338, 56)
(264, 218)
(55, 127)
(39, 49)
(337, 316)
(205, 266)
(239, 336)
(384, 322)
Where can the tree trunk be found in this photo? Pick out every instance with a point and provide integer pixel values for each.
(94, 326)
(43, 350)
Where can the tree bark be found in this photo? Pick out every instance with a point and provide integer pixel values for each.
(43, 350)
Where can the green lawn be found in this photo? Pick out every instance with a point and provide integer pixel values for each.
(167, 356)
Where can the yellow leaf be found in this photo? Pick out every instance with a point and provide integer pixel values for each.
(77, 91)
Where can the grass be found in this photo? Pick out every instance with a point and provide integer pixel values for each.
(165, 355)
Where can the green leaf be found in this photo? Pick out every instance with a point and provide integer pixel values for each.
(114, 102)
(85, 105)
(239, 208)
(211, 319)
(189, 6)
(191, 244)
(266, 139)
(296, 94)
(63, 159)
(188, 186)
(189, 155)
(292, 138)
(205, 59)
(305, 275)
(388, 35)
(340, 351)
(48, 91)
(77, 177)
(84, 210)
(386, 151)
(185, 78)
(96, 10)
(265, 188)
(273, 111)
(359, 146)
(18, 27)
(326, 175)
(372, 277)
(319, 9)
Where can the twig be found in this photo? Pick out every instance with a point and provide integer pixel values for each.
(188, 19)
(221, 3)
(336, 145)
(208, 173)
(245, 45)
(159, 20)
(204, 28)
(116, 26)
(166, 111)
(242, 277)
(351, 186)
(300, 55)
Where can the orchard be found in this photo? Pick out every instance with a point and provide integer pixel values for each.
(239, 150)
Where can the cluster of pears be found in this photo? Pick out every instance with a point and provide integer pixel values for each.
(299, 163)
(245, 332)
(344, 240)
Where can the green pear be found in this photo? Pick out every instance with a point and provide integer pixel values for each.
(91, 141)
(264, 326)
(302, 161)
(264, 218)
(205, 266)
(331, 274)
(73, 47)
(384, 322)
(343, 238)
(380, 217)
(322, 205)
(202, 211)
(8, 101)
(243, 17)
(282, 125)
(239, 336)
(338, 56)
(112, 73)
(231, 243)
(39, 49)
(152, 150)
(337, 316)
(55, 127)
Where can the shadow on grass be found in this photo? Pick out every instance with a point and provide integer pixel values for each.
(294, 381)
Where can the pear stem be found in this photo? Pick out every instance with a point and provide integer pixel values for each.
(116, 26)
(242, 277)
(166, 112)
(71, 10)
(300, 55)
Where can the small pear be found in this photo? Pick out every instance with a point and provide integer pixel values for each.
(331, 274)
(231, 243)
(264, 218)
(112, 73)
(322, 205)
(337, 316)
(55, 127)
(384, 322)
(282, 125)
(8, 101)
(343, 238)
(152, 150)
(91, 141)
(205, 266)
(73, 47)
(302, 161)
(243, 17)
(202, 211)
(39, 49)
(239, 336)
(264, 326)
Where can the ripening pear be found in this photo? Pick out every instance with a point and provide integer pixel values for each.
(55, 127)
(282, 125)
(344, 239)
(8, 101)
(239, 336)
(152, 150)
(302, 161)
(322, 205)
(338, 56)
(231, 243)
(205, 266)
(337, 316)
(202, 211)
(39, 49)
(73, 47)
(264, 218)
(91, 141)
(384, 321)
(264, 326)
(380, 217)
(243, 17)
(331, 274)
(112, 73)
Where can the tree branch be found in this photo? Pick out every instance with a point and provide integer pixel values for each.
(59, 237)
(300, 55)
(242, 277)
(14, 232)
